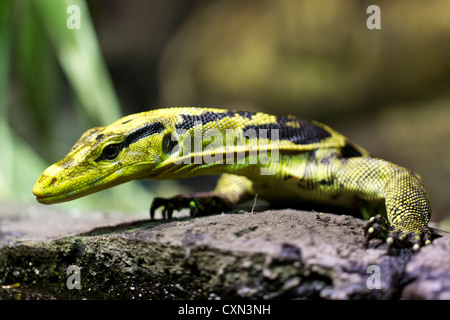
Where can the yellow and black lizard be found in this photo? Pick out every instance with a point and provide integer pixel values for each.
(284, 160)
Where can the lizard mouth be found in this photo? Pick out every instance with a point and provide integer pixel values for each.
(52, 188)
(47, 190)
(47, 199)
(57, 198)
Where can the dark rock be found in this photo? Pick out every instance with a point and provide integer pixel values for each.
(283, 254)
(427, 275)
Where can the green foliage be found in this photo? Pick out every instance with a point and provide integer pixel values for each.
(36, 44)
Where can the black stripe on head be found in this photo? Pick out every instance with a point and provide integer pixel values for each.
(135, 136)
(189, 121)
(306, 133)
(141, 133)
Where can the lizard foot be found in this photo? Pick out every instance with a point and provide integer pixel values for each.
(378, 228)
(198, 204)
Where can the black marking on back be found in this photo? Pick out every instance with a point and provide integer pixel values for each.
(326, 182)
(307, 132)
(349, 151)
(189, 121)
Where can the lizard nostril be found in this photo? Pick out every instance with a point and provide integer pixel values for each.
(53, 181)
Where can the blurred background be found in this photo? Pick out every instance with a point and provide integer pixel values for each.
(388, 89)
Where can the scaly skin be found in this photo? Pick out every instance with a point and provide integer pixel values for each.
(284, 160)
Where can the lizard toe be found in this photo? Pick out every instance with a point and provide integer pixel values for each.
(376, 228)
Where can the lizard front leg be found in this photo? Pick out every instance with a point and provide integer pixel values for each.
(408, 209)
(199, 204)
(407, 204)
(230, 191)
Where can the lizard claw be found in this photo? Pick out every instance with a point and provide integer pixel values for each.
(376, 228)
(198, 205)
(168, 207)
(379, 228)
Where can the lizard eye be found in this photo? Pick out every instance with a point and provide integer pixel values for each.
(110, 152)
(168, 144)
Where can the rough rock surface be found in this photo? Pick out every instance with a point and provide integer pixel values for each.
(283, 254)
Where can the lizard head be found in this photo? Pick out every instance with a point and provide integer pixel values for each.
(103, 157)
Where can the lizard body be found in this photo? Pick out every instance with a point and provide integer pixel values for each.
(283, 159)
